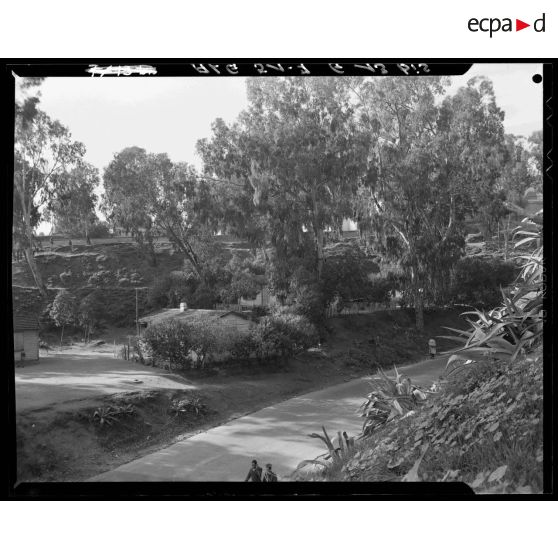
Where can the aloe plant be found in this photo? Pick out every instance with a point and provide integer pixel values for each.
(109, 415)
(390, 398)
(516, 326)
(335, 455)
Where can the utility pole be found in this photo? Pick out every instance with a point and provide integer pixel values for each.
(137, 316)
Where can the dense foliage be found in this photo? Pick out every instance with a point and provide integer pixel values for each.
(183, 345)
(516, 326)
(401, 157)
(477, 281)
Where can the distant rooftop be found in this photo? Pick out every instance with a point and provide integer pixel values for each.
(187, 316)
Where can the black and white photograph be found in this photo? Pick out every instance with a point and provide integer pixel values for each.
(289, 276)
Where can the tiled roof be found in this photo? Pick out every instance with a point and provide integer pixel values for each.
(25, 320)
(186, 316)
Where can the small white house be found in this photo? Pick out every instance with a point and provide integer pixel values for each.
(26, 336)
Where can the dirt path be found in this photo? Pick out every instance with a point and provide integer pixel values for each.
(276, 434)
(72, 376)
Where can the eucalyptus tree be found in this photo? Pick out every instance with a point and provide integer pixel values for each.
(72, 208)
(44, 150)
(431, 161)
(148, 194)
(297, 154)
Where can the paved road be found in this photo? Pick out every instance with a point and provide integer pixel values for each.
(277, 434)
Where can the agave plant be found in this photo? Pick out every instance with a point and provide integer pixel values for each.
(389, 399)
(192, 404)
(335, 455)
(517, 326)
(109, 415)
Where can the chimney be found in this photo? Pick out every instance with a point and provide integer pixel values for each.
(183, 306)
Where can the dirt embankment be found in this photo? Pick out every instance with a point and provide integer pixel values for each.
(484, 428)
(69, 444)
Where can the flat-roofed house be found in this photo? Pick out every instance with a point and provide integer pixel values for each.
(26, 335)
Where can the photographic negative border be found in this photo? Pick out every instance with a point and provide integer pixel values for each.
(207, 68)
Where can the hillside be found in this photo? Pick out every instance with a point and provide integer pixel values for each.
(485, 429)
(117, 269)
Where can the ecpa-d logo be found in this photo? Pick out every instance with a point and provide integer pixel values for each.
(494, 24)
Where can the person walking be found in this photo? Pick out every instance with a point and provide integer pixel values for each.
(432, 348)
(255, 473)
(269, 475)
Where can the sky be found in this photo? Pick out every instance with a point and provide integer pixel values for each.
(169, 114)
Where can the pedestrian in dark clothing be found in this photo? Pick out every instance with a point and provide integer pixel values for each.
(254, 474)
(269, 475)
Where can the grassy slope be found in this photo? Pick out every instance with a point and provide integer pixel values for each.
(486, 422)
(387, 337)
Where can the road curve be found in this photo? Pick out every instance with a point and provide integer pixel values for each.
(276, 434)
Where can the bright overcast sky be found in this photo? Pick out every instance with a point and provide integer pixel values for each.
(168, 115)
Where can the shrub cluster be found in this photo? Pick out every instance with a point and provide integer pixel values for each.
(283, 334)
(169, 341)
(476, 281)
(185, 345)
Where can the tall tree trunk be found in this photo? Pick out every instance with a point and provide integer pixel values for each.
(37, 277)
(419, 310)
(87, 239)
(320, 250)
(62, 336)
(30, 257)
(418, 300)
(506, 241)
(318, 235)
(151, 248)
(498, 233)
(186, 249)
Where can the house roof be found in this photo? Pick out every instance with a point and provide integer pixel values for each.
(25, 320)
(187, 316)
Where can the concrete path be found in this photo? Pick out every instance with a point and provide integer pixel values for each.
(277, 434)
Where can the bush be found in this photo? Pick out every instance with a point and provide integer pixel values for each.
(477, 281)
(207, 338)
(346, 273)
(242, 346)
(310, 304)
(283, 334)
(99, 230)
(380, 290)
(515, 327)
(170, 341)
(99, 278)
